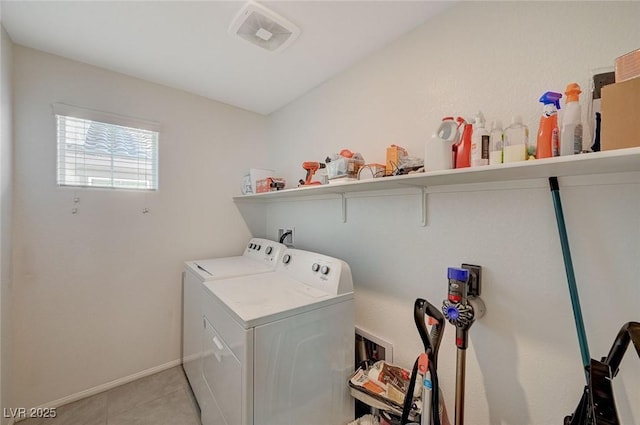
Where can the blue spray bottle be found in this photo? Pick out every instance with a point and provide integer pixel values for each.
(548, 134)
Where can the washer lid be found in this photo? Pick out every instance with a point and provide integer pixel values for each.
(222, 268)
(258, 299)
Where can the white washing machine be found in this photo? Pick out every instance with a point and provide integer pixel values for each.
(279, 346)
(260, 256)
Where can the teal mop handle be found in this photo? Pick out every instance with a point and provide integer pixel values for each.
(571, 278)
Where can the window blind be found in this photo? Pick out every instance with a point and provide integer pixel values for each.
(96, 150)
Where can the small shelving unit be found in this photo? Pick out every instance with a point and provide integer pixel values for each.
(616, 161)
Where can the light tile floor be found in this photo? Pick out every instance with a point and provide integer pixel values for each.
(164, 398)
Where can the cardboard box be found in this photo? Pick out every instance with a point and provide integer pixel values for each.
(628, 66)
(249, 185)
(620, 127)
(394, 156)
(270, 184)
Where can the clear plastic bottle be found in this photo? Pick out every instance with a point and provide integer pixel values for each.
(495, 140)
(516, 139)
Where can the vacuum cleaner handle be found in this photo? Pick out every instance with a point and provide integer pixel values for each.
(408, 397)
(597, 405)
(431, 342)
(435, 396)
(629, 332)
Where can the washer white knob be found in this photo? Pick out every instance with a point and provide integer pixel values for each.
(324, 270)
(269, 250)
(315, 267)
(286, 258)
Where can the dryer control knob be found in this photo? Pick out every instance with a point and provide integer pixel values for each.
(325, 270)
(286, 259)
(258, 247)
(315, 267)
(269, 250)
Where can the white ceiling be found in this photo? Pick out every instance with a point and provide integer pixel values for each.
(185, 44)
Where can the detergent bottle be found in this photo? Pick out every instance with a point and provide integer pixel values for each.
(438, 153)
(548, 137)
(463, 148)
(477, 147)
(571, 133)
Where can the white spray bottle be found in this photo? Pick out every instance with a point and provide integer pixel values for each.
(571, 133)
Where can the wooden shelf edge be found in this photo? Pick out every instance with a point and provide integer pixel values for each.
(616, 161)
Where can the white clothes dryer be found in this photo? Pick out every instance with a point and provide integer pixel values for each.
(260, 256)
(279, 346)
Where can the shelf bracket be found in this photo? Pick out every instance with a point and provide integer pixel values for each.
(423, 206)
(344, 207)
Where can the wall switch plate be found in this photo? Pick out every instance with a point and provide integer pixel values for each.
(475, 279)
(289, 239)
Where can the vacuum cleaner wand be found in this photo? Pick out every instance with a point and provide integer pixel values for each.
(461, 308)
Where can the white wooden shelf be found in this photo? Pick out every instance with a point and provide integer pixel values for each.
(616, 161)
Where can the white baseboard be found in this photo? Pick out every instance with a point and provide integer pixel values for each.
(104, 387)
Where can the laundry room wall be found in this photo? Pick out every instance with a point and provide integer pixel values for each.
(6, 205)
(97, 294)
(524, 364)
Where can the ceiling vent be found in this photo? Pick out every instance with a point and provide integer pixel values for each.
(263, 27)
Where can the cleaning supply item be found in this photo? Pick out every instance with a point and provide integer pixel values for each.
(463, 148)
(424, 372)
(476, 142)
(571, 277)
(598, 404)
(427, 386)
(516, 139)
(571, 133)
(438, 153)
(495, 143)
(462, 308)
(548, 133)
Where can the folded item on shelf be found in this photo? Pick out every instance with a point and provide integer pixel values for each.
(385, 383)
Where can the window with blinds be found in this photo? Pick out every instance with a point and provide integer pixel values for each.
(97, 149)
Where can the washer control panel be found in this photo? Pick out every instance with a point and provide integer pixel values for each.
(264, 250)
(329, 274)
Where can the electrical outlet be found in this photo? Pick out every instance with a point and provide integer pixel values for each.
(475, 279)
(290, 238)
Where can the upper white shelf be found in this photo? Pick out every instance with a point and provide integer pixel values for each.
(616, 161)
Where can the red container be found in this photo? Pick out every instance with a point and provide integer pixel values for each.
(462, 150)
